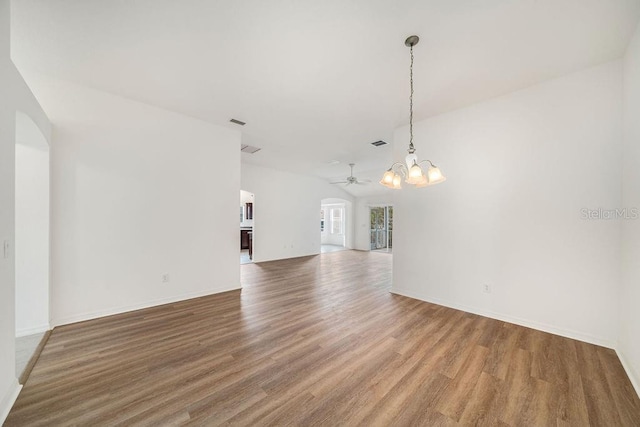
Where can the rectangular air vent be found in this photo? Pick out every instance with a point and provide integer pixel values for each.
(249, 149)
(378, 143)
(238, 122)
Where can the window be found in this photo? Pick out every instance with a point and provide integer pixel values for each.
(336, 221)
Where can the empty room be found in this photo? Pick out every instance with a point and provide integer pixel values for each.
(439, 216)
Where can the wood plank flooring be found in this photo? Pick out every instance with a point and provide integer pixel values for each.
(319, 341)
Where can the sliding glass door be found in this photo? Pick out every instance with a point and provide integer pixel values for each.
(381, 227)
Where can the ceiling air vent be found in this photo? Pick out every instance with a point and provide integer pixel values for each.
(238, 122)
(249, 149)
(378, 143)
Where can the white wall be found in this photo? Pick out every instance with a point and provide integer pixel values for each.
(32, 228)
(135, 195)
(629, 338)
(15, 97)
(363, 219)
(520, 168)
(287, 212)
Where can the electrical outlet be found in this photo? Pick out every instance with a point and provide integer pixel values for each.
(165, 278)
(486, 288)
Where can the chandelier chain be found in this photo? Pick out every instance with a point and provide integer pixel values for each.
(411, 149)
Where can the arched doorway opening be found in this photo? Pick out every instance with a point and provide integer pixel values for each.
(335, 225)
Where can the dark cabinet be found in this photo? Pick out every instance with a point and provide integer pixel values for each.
(244, 239)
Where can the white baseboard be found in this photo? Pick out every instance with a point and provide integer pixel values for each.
(634, 377)
(9, 399)
(580, 336)
(32, 331)
(81, 317)
(302, 255)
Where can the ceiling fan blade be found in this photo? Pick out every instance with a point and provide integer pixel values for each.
(352, 179)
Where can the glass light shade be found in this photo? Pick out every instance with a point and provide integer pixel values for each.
(414, 175)
(397, 179)
(423, 182)
(387, 178)
(412, 181)
(435, 176)
(388, 185)
(415, 171)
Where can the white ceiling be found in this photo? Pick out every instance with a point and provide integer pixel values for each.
(316, 80)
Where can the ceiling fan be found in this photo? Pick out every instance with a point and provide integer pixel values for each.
(352, 179)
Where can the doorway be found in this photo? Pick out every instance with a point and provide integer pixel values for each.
(381, 220)
(247, 207)
(333, 226)
(31, 239)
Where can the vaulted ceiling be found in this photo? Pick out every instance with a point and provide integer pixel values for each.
(316, 81)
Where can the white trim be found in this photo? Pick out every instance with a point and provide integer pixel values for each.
(32, 331)
(256, 260)
(123, 309)
(8, 400)
(568, 333)
(631, 373)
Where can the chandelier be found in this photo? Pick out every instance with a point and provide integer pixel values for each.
(411, 170)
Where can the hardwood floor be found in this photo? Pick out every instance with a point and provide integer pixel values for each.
(319, 341)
